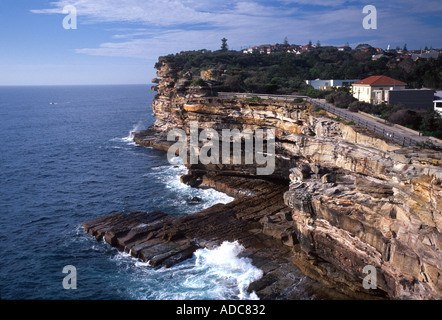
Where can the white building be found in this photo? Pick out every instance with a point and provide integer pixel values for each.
(438, 106)
(319, 84)
(438, 102)
(375, 89)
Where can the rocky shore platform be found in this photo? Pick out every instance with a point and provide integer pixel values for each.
(258, 219)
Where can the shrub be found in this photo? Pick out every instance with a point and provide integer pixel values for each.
(317, 94)
(356, 106)
(340, 98)
(385, 110)
(233, 83)
(198, 82)
(431, 124)
(405, 117)
(254, 99)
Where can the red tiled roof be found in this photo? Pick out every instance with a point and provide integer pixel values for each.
(381, 81)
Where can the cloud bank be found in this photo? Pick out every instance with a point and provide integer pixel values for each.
(147, 29)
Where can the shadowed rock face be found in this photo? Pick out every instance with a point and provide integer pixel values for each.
(351, 198)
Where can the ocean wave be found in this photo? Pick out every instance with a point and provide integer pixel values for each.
(130, 138)
(224, 263)
(182, 195)
(215, 274)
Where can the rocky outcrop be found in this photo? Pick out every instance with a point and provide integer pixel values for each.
(163, 241)
(352, 199)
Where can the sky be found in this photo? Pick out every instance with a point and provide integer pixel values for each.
(119, 41)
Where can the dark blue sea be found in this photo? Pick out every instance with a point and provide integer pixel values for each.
(67, 156)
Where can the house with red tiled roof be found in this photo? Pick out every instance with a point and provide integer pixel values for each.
(375, 89)
(307, 47)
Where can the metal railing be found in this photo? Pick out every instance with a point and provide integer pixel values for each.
(377, 129)
(278, 97)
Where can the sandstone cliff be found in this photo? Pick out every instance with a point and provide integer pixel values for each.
(354, 199)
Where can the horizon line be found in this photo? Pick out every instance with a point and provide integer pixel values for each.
(72, 85)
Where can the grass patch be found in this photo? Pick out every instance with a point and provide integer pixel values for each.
(255, 99)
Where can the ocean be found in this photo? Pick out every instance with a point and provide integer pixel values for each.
(67, 156)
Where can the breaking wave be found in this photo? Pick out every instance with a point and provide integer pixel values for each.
(130, 137)
(212, 274)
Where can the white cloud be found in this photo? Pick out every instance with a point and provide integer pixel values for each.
(153, 28)
(325, 3)
(160, 12)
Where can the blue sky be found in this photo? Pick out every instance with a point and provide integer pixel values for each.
(119, 41)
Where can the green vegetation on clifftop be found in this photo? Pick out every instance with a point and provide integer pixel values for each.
(285, 73)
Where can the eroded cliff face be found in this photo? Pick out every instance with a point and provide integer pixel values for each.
(354, 200)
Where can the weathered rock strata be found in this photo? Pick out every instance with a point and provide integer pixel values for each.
(352, 199)
(163, 241)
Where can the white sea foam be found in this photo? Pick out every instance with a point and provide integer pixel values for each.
(130, 138)
(170, 176)
(216, 274)
(224, 263)
(209, 196)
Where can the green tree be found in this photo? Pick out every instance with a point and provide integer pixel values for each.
(430, 121)
(224, 46)
(233, 83)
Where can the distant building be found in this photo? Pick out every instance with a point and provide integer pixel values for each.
(319, 84)
(257, 49)
(403, 57)
(417, 99)
(274, 49)
(270, 49)
(307, 47)
(438, 106)
(437, 102)
(383, 89)
(425, 55)
(344, 48)
(377, 56)
(375, 89)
